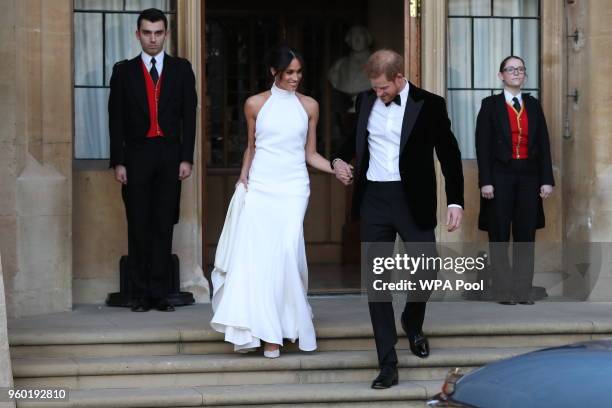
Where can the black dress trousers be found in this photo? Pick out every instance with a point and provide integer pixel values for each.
(151, 199)
(385, 213)
(513, 211)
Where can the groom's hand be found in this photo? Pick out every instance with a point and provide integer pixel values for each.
(343, 171)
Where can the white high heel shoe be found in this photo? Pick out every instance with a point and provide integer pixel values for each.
(246, 350)
(272, 353)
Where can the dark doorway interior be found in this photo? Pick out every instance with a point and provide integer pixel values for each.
(238, 35)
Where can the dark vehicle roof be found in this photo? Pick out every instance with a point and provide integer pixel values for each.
(577, 375)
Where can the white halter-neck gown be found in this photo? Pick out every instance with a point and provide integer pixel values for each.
(260, 293)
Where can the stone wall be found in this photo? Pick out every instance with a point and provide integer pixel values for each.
(36, 155)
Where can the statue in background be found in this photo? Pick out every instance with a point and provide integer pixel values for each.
(346, 74)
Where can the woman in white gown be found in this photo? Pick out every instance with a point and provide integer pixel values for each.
(260, 278)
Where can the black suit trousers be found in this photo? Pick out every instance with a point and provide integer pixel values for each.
(513, 210)
(384, 213)
(151, 199)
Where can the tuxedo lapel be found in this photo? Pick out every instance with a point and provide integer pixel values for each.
(531, 117)
(411, 113)
(362, 124)
(502, 116)
(168, 76)
(137, 81)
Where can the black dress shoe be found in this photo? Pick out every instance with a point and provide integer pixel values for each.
(419, 345)
(508, 302)
(140, 305)
(387, 378)
(527, 302)
(164, 306)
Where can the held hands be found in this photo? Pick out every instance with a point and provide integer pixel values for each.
(546, 190)
(184, 170)
(487, 191)
(454, 215)
(343, 171)
(121, 174)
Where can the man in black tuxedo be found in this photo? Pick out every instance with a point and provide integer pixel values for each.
(398, 128)
(152, 116)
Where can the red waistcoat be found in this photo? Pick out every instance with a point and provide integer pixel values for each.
(153, 91)
(519, 128)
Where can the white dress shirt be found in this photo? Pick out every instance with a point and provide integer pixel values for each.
(508, 95)
(385, 132)
(159, 61)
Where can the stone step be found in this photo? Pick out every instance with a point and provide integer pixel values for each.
(174, 341)
(236, 369)
(156, 348)
(406, 394)
(342, 323)
(115, 358)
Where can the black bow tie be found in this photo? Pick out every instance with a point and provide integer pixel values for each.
(397, 100)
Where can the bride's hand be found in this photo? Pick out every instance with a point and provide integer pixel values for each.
(244, 181)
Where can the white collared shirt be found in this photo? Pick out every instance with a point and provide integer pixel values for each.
(159, 61)
(385, 132)
(508, 95)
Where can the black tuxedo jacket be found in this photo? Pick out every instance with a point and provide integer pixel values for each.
(494, 144)
(425, 127)
(128, 109)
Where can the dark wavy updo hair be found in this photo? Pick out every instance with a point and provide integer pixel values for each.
(280, 57)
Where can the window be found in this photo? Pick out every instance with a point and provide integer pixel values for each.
(481, 33)
(104, 34)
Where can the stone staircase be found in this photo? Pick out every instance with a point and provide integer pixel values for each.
(114, 358)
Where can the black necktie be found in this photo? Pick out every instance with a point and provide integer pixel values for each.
(397, 100)
(153, 71)
(516, 104)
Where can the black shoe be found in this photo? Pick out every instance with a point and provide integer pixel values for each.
(387, 378)
(508, 302)
(164, 306)
(140, 305)
(419, 345)
(527, 302)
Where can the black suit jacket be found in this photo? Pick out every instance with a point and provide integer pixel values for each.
(128, 109)
(494, 144)
(425, 128)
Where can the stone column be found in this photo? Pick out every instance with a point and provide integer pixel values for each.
(188, 233)
(587, 154)
(36, 155)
